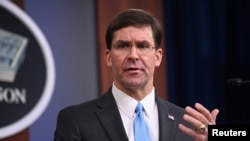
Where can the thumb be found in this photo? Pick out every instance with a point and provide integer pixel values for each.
(214, 114)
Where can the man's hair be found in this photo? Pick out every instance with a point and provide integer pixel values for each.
(134, 17)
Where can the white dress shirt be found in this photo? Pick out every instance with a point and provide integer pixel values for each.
(126, 105)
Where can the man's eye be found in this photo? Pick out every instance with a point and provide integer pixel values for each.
(143, 46)
(123, 46)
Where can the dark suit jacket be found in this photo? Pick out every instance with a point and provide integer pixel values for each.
(99, 120)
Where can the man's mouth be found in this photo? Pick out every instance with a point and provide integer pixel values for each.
(133, 69)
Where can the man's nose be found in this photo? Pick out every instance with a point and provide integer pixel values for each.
(133, 53)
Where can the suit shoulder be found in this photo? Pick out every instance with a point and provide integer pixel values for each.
(87, 106)
(79, 107)
(169, 105)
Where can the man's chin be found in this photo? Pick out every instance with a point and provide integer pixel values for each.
(133, 84)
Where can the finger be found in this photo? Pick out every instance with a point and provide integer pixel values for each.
(204, 111)
(194, 134)
(193, 121)
(210, 116)
(215, 113)
(195, 114)
(187, 130)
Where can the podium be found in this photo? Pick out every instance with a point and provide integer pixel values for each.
(22, 136)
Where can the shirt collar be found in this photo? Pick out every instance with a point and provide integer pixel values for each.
(127, 104)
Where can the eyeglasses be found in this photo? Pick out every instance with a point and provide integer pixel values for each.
(125, 48)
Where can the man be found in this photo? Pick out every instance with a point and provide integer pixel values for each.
(133, 41)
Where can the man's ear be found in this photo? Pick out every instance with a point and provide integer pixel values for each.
(159, 53)
(108, 58)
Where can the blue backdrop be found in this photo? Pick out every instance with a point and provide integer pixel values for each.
(208, 42)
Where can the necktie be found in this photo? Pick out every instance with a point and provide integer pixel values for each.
(140, 126)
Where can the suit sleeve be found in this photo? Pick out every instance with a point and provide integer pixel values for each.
(66, 128)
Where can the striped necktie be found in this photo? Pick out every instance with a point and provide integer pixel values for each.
(140, 127)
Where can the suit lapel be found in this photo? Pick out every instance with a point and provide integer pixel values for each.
(167, 120)
(109, 116)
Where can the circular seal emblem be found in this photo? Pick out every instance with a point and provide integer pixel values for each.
(27, 71)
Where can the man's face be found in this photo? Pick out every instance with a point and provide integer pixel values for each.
(133, 69)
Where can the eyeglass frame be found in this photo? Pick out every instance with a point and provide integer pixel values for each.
(125, 50)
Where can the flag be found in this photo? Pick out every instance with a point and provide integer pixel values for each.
(170, 116)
